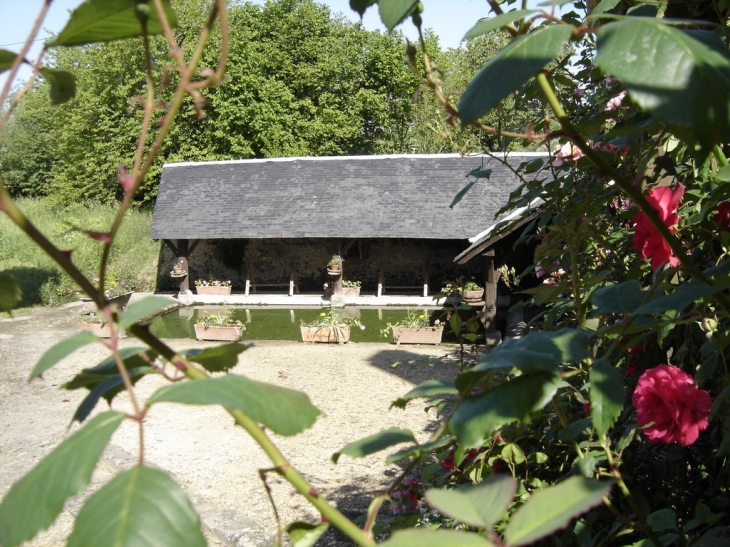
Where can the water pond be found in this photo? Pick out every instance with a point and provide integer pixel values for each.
(270, 323)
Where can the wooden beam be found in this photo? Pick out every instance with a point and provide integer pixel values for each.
(172, 247)
(492, 240)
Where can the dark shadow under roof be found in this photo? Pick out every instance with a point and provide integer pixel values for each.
(405, 196)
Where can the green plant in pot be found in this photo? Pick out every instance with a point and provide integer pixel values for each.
(415, 328)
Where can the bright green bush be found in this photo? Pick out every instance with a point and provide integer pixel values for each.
(133, 262)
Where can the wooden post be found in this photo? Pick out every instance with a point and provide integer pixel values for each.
(182, 249)
(490, 294)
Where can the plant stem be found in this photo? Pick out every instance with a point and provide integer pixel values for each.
(259, 435)
(645, 526)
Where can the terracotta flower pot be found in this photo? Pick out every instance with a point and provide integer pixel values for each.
(472, 296)
(228, 333)
(327, 335)
(351, 291)
(404, 335)
(213, 290)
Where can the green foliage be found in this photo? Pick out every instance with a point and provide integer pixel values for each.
(552, 508)
(511, 68)
(697, 87)
(133, 257)
(303, 534)
(120, 512)
(63, 349)
(107, 20)
(10, 293)
(375, 443)
(218, 359)
(141, 309)
(35, 501)
(284, 411)
(481, 506)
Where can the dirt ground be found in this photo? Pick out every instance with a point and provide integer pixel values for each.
(216, 463)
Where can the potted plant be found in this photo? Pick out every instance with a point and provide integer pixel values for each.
(416, 328)
(470, 290)
(334, 266)
(178, 269)
(219, 326)
(451, 294)
(328, 328)
(351, 288)
(212, 286)
(119, 294)
(98, 325)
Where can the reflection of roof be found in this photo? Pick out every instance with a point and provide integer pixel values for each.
(399, 196)
(482, 242)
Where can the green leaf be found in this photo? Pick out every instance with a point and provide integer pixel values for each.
(482, 505)
(7, 58)
(218, 359)
(429, 388)
(572, 430)
(361, 5)
(61, 350)
(662, 520)
(104, 379)
(303, 534)
(435, 538)
(375, 443)
(553, 508)
(537, 352)
(284, 411)
(691, 89)
(687, 292)
(607, 395)
(63, 85)
(106, 20)
(512, 401)
(10, 292)
(485, 26)
(511, 68)
(108, 389)
(419, 450)
(140, 507)
(144, 308)
(34, 502)
(603, 7)
(392, 12)
(621, 298)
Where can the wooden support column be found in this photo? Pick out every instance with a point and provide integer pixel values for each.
(182, 247)
(490, 294)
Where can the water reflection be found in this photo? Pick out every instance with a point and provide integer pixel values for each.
(268, 323)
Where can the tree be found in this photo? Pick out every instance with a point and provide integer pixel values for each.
(301, 82)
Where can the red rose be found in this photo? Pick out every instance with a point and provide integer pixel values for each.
(665, 202)
(669, 397)
(632, 368)
(723, 214)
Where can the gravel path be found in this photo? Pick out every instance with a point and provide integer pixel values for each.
(216, 463)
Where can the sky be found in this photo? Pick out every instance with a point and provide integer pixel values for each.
(450, 19)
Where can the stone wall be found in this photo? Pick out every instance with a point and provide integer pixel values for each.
(402, 260)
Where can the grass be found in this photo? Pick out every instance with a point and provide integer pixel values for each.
(133, 261)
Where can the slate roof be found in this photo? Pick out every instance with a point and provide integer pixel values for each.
(398, 196)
